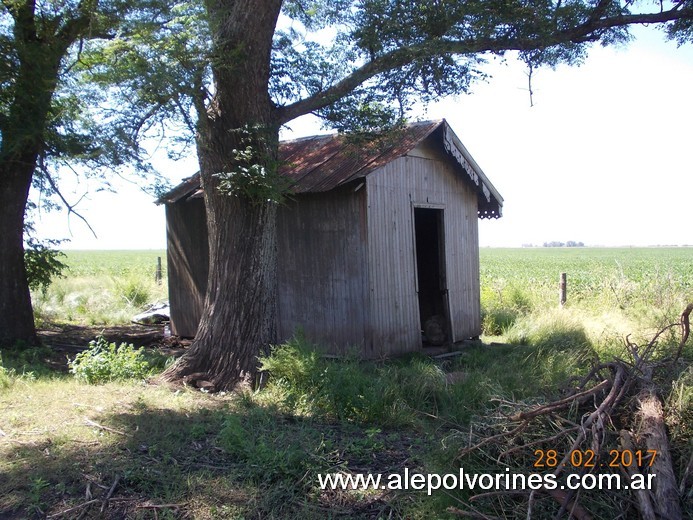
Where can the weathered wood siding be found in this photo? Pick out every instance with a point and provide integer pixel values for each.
(347, 260)
(188, 264)
(321, 269)
(424, 177)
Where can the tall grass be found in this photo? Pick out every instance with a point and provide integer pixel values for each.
(611, 293)
(412, 390)
(101, 288)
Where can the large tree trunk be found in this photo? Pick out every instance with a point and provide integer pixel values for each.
(239, 315)
(16, 315)
(238, 320)
(23, 134)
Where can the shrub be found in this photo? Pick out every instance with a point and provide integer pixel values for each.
(42, 263)
(103, 362)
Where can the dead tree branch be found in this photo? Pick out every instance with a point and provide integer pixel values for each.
(622, 412)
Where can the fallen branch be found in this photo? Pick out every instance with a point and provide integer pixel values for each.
(546, 440)
(110, 493)
(75, 508)
(597, 429)
(160, 506)
(686, 475)
(653, 430)
(642, 495)
(563, 403)
(568, 504)
(101, 427)
(489, 440)
(685, 329)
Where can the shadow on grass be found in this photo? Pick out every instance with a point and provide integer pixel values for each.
(259, 456)
(211, 463)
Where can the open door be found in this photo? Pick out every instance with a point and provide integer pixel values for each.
(429, 231)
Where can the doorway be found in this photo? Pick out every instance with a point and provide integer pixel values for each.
(430, 273)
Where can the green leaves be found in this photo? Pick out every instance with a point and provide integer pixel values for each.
(252, 173)
(104, 362)
(42, 263)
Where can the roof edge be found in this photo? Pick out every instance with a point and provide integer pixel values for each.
(188, 186)
(491, 201)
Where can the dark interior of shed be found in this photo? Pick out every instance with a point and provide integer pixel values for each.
(430, 267)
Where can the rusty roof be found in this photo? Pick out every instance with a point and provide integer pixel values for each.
(323, 162)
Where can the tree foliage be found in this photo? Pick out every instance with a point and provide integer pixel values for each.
(53, 122)
(43, 263)
(397, 53)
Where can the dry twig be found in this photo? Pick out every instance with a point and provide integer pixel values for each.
(101, 427)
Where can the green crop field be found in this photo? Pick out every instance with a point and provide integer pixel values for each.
(611, 292)
(643, 286)
(591, 271)
(114, 263)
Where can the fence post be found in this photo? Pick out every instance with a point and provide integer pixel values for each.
(563, 294)
(157, 276)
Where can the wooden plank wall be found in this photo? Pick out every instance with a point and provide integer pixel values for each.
(425, 177)
(188, 264)
(321, 269)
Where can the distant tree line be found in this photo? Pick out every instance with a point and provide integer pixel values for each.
(569, 243)
(555, 243)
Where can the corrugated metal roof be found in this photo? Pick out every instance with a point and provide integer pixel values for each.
(321, 163)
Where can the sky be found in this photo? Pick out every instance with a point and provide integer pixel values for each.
(603, 156)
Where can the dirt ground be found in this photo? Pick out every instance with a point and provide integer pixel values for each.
(67, 340)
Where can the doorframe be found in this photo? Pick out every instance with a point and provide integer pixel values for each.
(442, 260)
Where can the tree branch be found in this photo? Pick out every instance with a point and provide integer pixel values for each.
(70, 207)
(24, 20)
(685, 329)
(588, 31)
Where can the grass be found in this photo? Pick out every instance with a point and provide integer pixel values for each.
(256, 454)
(176, 453)
(102, 288)
(612, 292)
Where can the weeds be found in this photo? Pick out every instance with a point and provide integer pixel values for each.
(556, 330)
(349, 390)
(6, 376)
(410, 391)
(133, 291)
(37, 486)
(103, 362)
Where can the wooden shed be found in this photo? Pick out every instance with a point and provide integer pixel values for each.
(378, 242)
